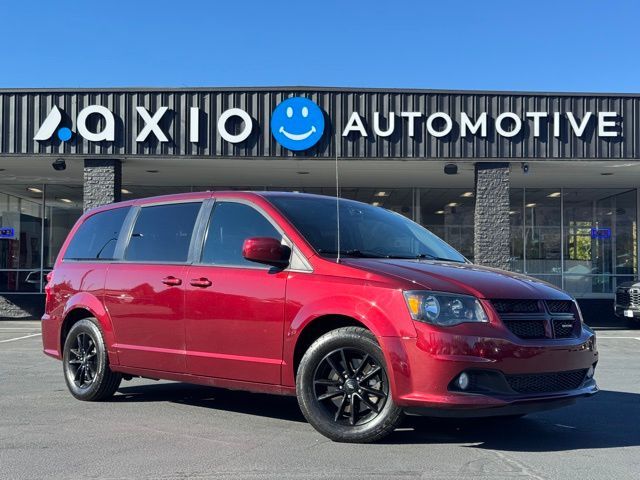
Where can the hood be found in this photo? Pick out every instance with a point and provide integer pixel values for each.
(464, 278)
(632, 284)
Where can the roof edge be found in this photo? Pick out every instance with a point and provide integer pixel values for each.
(307, 88)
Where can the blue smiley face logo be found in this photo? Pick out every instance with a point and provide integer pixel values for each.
(297, 123)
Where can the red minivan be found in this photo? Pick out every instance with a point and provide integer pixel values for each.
(360, 312)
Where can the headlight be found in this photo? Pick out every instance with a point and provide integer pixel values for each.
(444, 309)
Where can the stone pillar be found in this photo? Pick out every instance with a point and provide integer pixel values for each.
(492, 233)
(102, 182)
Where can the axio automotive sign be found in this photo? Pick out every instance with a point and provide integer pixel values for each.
(298, 124)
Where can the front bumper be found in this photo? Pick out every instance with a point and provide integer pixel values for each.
(424, 369)
(627, 311)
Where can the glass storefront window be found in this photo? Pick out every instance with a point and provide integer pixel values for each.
(600, 239)
(449, 214)
(35, 220)
(543, 234)
(516, 216)
(21, 240)
(63, 207)
(582, 240)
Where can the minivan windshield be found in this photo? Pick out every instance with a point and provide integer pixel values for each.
(365, 231)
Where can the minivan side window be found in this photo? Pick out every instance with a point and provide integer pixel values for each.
(162, 233)
(96, 238)
(230, 225)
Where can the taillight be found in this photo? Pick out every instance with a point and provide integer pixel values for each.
(47, 289)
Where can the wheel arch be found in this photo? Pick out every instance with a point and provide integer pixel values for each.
(318, 327)
(85, 305)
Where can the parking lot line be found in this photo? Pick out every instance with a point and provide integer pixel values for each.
(20, 338)
(19, 329)
(606, 336)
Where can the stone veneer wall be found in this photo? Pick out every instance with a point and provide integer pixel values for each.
(102, 182)
(491, 220)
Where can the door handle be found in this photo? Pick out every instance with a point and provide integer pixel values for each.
(171, 281)
(200, 282)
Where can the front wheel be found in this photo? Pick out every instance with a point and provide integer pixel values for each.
(86, 364)
(343, 387)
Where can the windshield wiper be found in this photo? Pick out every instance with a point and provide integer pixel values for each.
(424, 256)
(353, 253)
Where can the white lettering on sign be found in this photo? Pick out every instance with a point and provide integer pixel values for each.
(556, 124)
(578, 129)
(536, 121)
(151, 124)
(108, 133)
(391, 125)
(447, 122)
(517, 124)
(354, 125)
(467, 124)
(604, 124)
(410, 122)
(242, 115)
(436, 124)
(194, 124)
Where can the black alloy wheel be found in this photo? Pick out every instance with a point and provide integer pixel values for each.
(83, 361)
(86, 364)
(343, 387)
(351, 386)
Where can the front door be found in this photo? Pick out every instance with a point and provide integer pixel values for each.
(234, 308)
(144, 295)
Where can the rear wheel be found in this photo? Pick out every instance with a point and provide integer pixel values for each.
(86, 364)
(343, 387)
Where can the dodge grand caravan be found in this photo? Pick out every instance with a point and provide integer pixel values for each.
(263, 292)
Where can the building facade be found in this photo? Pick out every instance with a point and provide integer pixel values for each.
(544, 184)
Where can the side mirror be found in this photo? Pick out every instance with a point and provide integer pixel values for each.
(266, 250)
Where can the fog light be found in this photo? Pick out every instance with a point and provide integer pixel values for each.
(590, 372)
(463, 381)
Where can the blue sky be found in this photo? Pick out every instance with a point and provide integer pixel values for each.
(540, 45)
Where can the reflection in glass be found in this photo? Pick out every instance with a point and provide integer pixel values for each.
(542, 231)
(600, 239)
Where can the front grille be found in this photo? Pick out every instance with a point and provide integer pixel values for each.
(516, 306)
(560, 306)
(628, 297)
(537, 319)
(528, 329)
(546, 382)
(564, 328)
(623, 297)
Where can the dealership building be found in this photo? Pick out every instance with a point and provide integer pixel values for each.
(540, 183)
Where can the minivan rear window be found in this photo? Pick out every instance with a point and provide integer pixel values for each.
(162, 233)
(96, 238)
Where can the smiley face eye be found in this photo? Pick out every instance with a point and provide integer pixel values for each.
(305, 112)
(289, 112)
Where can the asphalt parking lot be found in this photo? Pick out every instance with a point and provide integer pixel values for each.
(166, 430)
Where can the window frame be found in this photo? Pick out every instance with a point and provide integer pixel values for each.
(121, 234)
(298, 262)
(129, 224)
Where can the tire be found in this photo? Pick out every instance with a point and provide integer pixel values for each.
(325, 395)
(86, 365)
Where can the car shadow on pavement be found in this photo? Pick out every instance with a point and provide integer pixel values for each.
(273, 406)
(607, 420)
